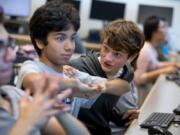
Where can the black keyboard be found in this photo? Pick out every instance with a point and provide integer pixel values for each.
(158, 119)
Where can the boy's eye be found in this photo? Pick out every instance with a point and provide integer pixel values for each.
(61, 38)
(117, 54)
(73, 38)
(105, 49)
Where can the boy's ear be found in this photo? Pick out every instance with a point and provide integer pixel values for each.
(131, 58)
(40, 44)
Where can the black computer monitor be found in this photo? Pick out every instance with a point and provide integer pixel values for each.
(107, 11)
(148, 10)
(16, 8)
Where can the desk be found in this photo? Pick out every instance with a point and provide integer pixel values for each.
(163, 97)
(92, 46)
(21, 39)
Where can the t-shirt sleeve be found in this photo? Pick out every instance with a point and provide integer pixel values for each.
(27, 68)
(6, 122)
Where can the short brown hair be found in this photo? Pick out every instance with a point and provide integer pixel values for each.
(123, 35)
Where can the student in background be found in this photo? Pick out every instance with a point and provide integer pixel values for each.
(121, 43)
(166, 50)
(148, 65)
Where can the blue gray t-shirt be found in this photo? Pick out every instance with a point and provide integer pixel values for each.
(13, 95)
(6, 120)
(39, 67)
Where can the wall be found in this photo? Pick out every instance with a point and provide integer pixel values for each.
(130, 14)
(35, 4)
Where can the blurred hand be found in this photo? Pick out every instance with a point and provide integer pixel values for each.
(79, 88)
(178, 65)
(45, 102)
(86, 90)
(131, 115)
(170, 70)
(69, 71)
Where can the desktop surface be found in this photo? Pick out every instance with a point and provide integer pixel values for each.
(163, 97)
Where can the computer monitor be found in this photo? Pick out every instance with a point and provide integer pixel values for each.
(107, 11)
(148, 10)
(16, 8)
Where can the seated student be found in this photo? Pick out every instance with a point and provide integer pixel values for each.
(23, 115)
(121, 43)
(166, 50)
(148, 65)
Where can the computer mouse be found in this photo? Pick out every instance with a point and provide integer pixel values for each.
(157, 130)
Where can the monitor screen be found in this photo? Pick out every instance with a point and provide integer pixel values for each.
(18, 8)
(146, 10)
(106, 11)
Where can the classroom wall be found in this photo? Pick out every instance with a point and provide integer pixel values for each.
(130, 14)
(34, 5)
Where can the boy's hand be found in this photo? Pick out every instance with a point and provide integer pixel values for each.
(170, 70)
(69, 71)
(45, 101)
(130, 115)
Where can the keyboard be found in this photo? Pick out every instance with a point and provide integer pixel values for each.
(158, 119)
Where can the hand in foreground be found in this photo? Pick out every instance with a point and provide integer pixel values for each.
(45, 101)
(79, 88)
(69, 71)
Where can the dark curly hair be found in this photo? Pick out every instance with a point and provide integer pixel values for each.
(53, 16)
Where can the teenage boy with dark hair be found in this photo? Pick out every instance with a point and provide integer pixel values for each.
(121, 43)
(148, 65)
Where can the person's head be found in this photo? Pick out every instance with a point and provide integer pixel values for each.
(53, 28)
(7, 55)
(121, 43)
(155, 28)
